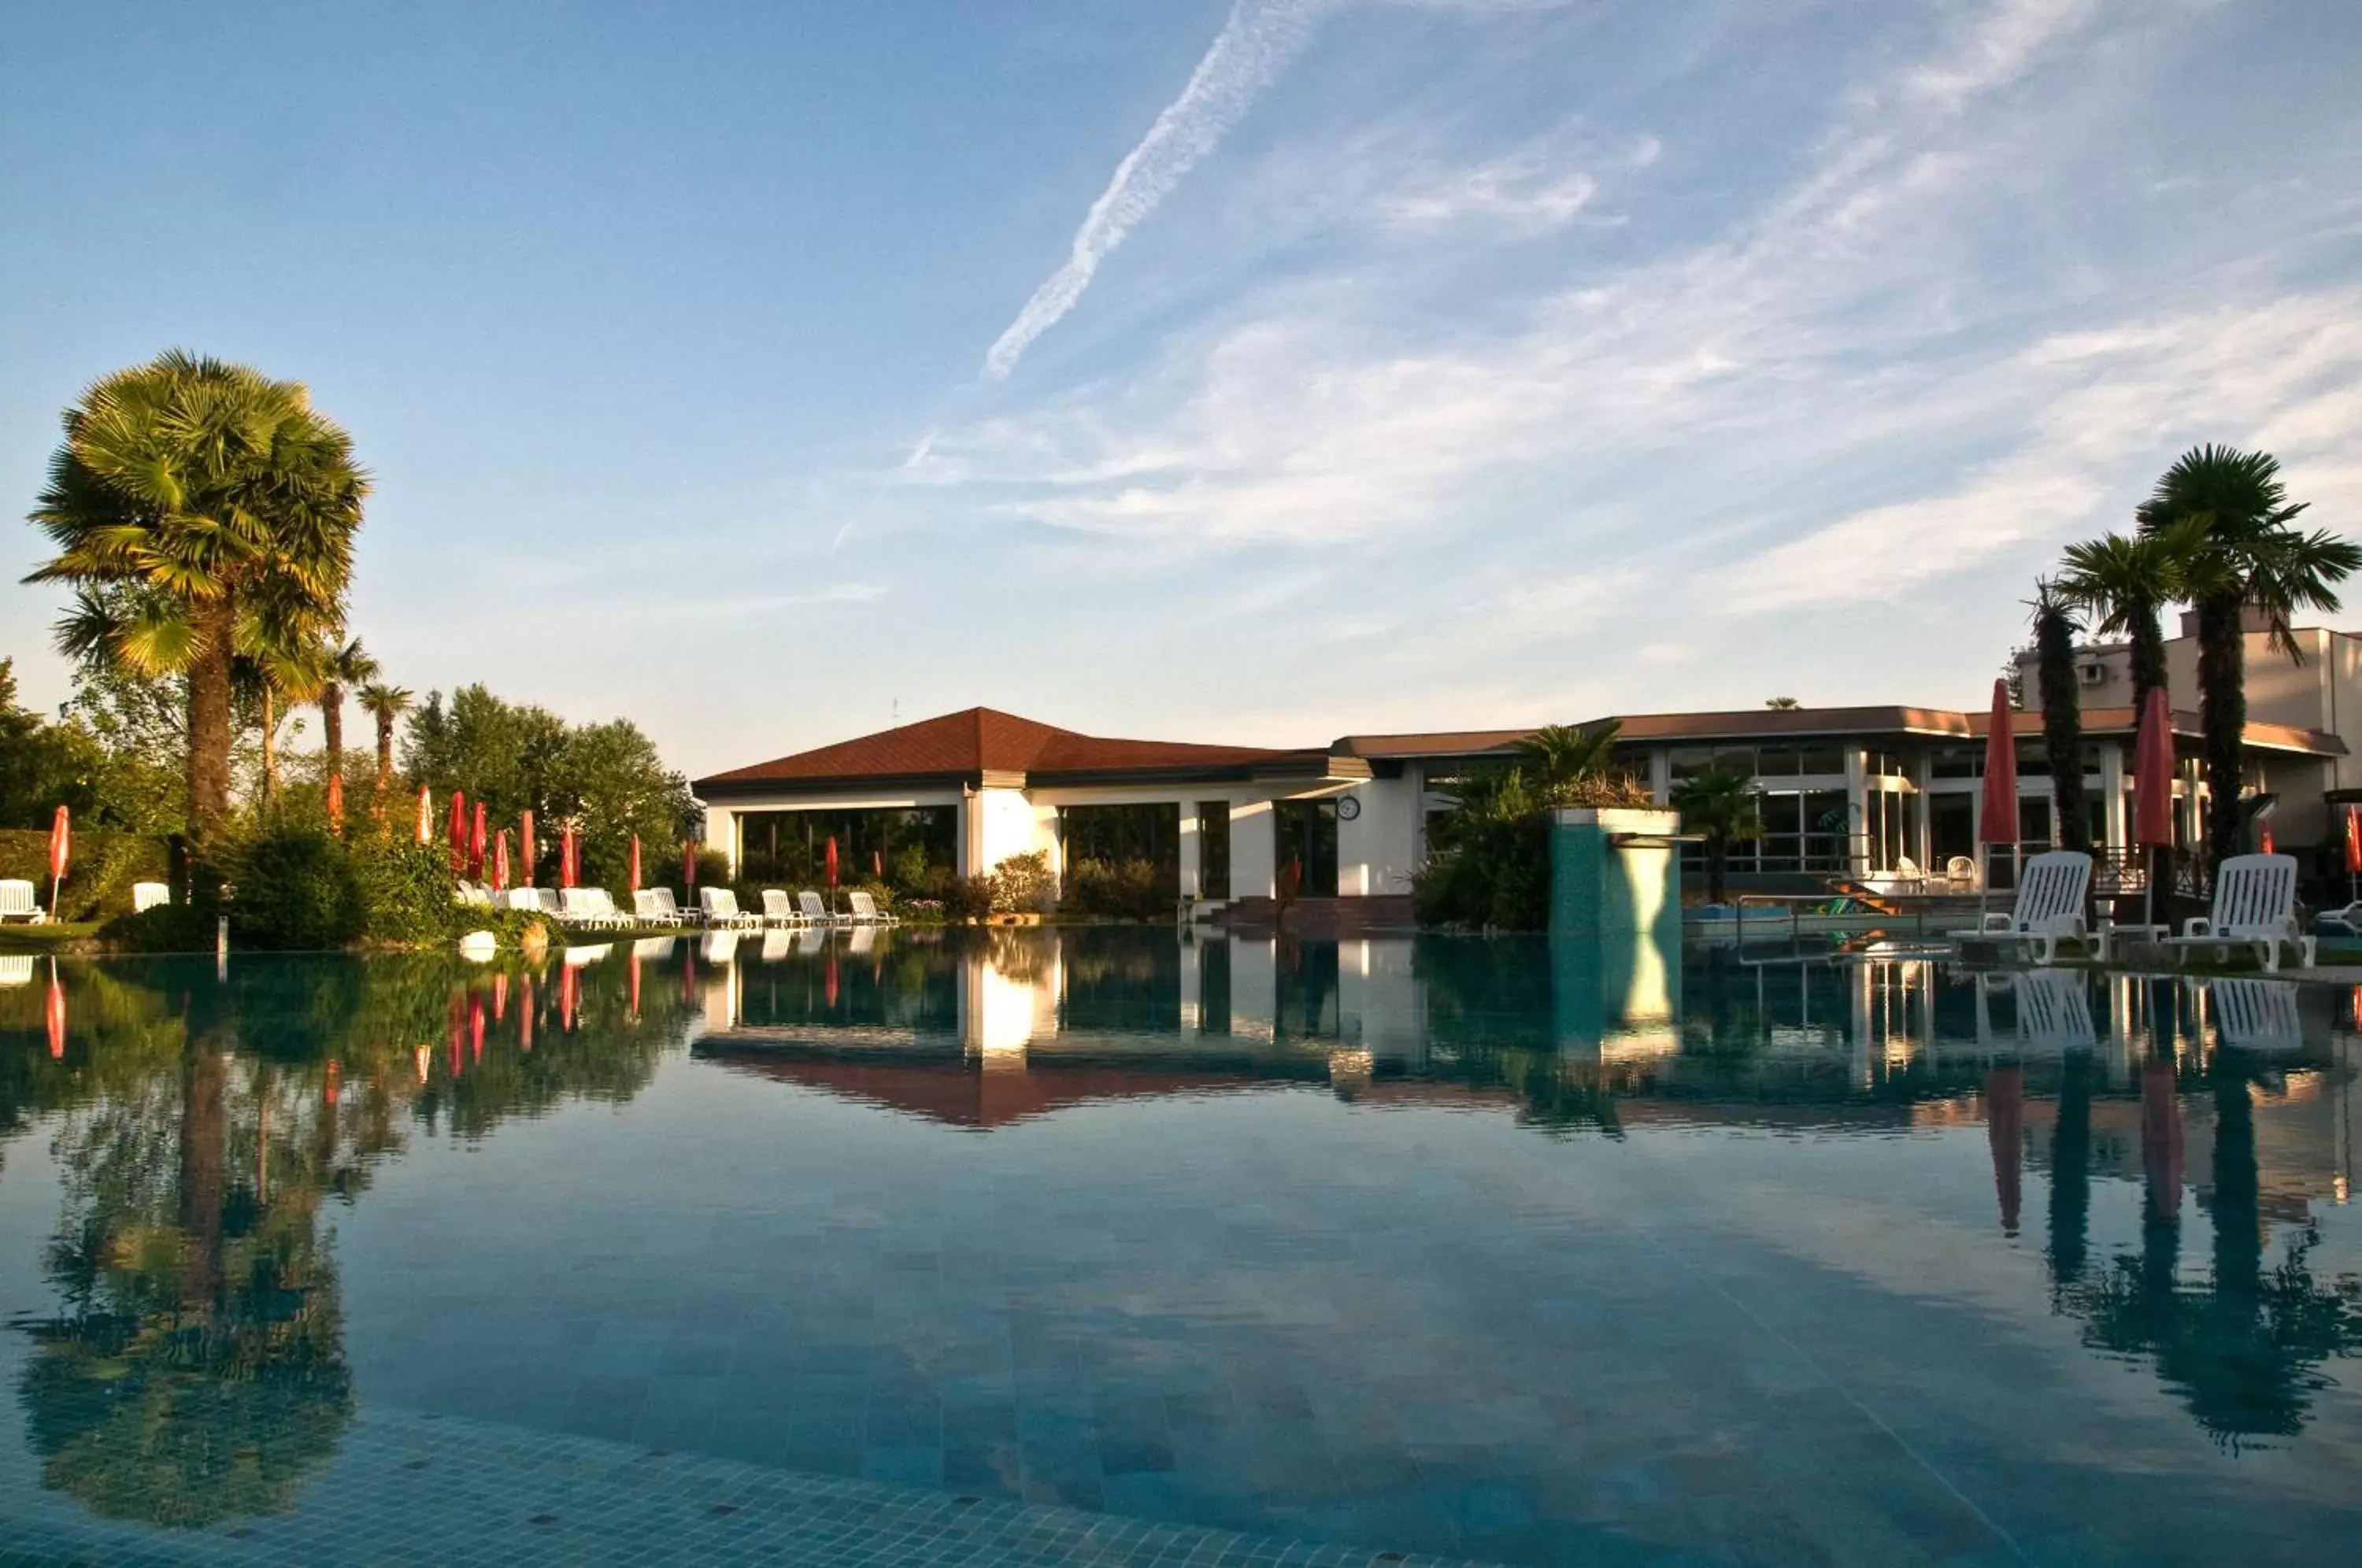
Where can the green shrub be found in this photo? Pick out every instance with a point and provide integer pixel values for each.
(1124, 889)
(405, 891)
(167, 928)
(105, 863)
(1021, 884)
(293, 888)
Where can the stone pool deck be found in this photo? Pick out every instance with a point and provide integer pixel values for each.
(440, 1490)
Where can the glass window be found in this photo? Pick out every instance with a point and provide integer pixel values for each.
(1736, 760)
(1214, 866)
(1777, 762)
(1782, 812)
(1688, 761)
(1821, 760)
(1959, 762)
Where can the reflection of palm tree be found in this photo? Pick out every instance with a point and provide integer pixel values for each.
(2244, 1352)
(2071, 1172)
(197, 1371)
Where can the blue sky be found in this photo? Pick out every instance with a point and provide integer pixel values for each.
(1254, 372)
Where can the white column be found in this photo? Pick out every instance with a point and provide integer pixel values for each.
(1660, 775)
(2112, 793)
(1857, 774)
(721, 833)
(1189, 849)
(1254, 850)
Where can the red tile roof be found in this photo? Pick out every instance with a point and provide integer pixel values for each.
(983, 740)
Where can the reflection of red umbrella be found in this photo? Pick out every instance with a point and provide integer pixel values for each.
(632, 878)
(476, 837)
(60, 853)
(56, 1013)
(2005, 1130)
(457, 832)
(500, 861)
(1999, 822)
(500, 997)
(828, 976)
(526, 868)
(2162, 1140)
(425, 817)
(457, 1022)
(689, 976)
(476, 1027)
(329, 1082)
(635, 981)
(2153, 787)
(567, 995)
(336, 802)
(525, 1006)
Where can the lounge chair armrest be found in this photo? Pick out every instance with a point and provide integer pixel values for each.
(2197, 926)
(1996, 922)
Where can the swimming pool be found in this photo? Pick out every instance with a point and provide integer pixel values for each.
(1109, 1245)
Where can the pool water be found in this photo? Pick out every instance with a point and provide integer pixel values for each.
(1111, 1245)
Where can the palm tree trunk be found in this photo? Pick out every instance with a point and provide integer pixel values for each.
(2223, 719)
(269, 742)
(2062, 721)
(1717, 869)
(209, 722)
(384, 750)
(331, 728)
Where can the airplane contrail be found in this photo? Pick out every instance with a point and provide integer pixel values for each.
(1254, 44)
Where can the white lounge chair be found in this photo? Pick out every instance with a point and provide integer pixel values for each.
(19, 900)
(721, 906)
(865, 910)
(2256, 1015)
(591, 907)
(815, 911)
(2255, 906)
(654, 906)
(535, 901)
(779, 910)
(2049, 908)
(150, 895)
(2344, 923)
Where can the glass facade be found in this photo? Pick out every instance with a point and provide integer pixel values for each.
(1213, 849)
(900, 846)
(1147, 834)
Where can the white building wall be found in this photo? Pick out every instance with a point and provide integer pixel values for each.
(1010, 824)
(1378, 849)
(1254, 850)
(721, 833)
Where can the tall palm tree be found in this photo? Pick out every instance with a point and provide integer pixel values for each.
(208, 490)
(2231, 517)
(1720, 805)
(2062, 716)
(386, 705)
(2124, 583)
(343, 666)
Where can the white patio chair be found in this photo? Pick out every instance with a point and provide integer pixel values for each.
(721, 906)
(865, 910)
(1960, 871)
(2255, 906)
(2049, 908)
(150, 895)
(19, 900)
(814, 911)
(595, 907)
(779, 910)
(656, 906)
(525, 899)
(2256, 1015)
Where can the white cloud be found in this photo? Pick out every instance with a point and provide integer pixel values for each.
(1521, 194)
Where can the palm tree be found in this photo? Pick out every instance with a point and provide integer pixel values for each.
(2124, 584)
(386, 705)
(2229, 514)
(2062, 717)
(207, 490)
(1782, 704)
(344, 666)
(1718, 804)
(1561, 754)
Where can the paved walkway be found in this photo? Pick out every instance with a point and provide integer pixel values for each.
(445, 1491)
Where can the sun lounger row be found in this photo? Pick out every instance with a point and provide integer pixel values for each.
(594, 908)
(2255, 907)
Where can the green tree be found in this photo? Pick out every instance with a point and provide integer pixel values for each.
(1557, 755)
(2230, 516)
(139, 727)
(218, 497)
(386, 705)
(2124, 582)
(1719, 804)
(2062, 718)
(42, 766)
(343, 666)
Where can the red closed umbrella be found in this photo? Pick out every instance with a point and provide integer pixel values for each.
(60, 853)
(832, 865)
(500, 861)
(526, 866)
(2353, 840)
(689, 865)
(456, 833)
(476, 846)
(55, 1013)
(568, 866)
(425, 817)
(632, 876)
(1999, 822)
